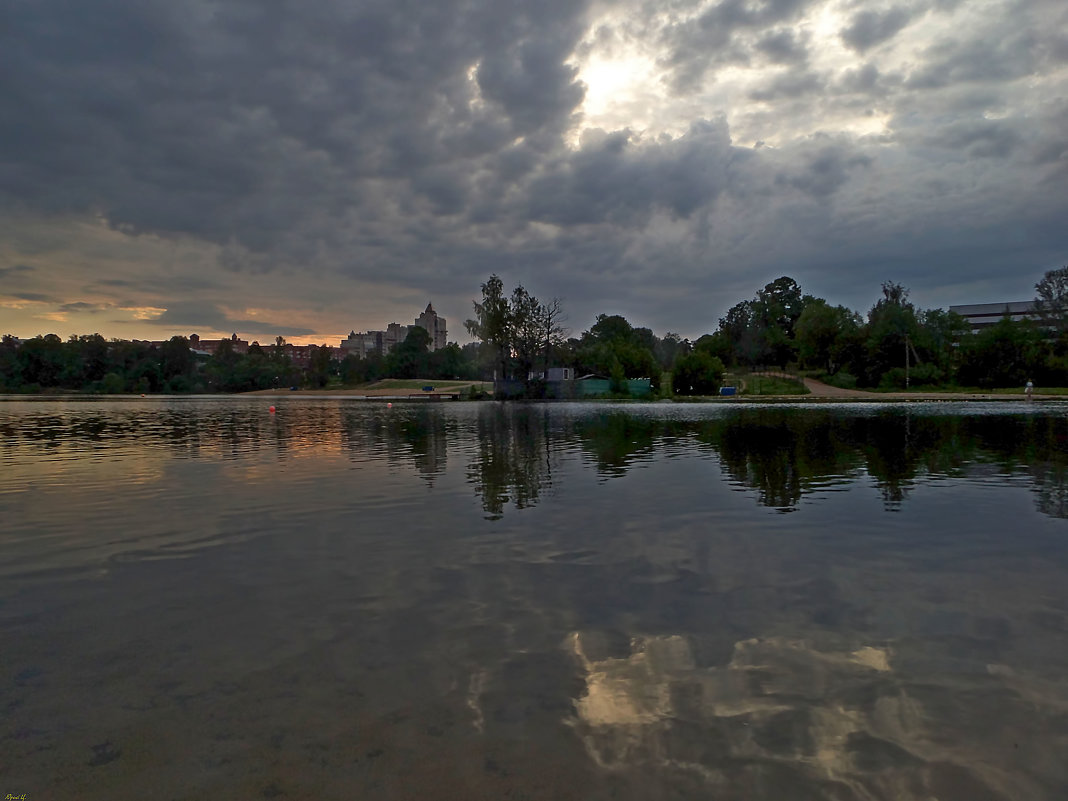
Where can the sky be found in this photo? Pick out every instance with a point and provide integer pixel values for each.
(296, 168)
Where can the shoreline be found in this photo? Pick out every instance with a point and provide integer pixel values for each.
(858, 397)
(819, 393)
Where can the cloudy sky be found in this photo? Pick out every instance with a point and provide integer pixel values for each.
(305, 167)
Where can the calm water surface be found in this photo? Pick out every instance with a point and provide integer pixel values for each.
(202, 600)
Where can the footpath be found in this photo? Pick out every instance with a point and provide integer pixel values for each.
(820, 391)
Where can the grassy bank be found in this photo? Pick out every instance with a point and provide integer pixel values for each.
(770, 385)
(419, 383)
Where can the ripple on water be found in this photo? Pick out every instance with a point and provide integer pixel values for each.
(575, 600)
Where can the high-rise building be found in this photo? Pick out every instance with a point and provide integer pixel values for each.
(395, 334)
(382, 342)
(362, 345)
(434, 325)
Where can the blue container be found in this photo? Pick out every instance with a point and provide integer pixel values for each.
(728, 391)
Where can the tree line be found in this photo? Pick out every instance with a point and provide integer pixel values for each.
(896, 345)
(90, 363)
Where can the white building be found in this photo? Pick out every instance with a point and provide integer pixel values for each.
(984, 315)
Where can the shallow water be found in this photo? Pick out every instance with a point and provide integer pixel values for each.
(342, 600)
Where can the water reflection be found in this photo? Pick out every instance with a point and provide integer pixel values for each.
(785, 720)
(548, 601)
(416, 435)
(515, 455)
(510, 452)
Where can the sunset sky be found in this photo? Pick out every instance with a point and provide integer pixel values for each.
(307, 167)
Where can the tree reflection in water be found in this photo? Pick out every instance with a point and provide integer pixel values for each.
(514, 458)
(785, 454)
(781, 454)
(641, 631)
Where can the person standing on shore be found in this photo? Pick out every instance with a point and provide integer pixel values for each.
(1029, 389)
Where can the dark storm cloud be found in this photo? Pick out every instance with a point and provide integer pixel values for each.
(257, 122)
(1000, 55)
(866, 80)
(15, 270)
(82, 306)
(869, 28)
(725, 33)
(1050, 145)
(613, 179)
(531, 83)
(789, 85)
(35, 297)
(429, 144)
(783, 46)
(194, 314)
(978, 138)
(824, 167)
(168, 285)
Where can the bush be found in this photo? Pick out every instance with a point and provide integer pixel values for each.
(178, 385)
(697, 373)
(112, 384)
(893, 379)
(926, 375)
(918, 376)
(841, 379)
(1054, 373)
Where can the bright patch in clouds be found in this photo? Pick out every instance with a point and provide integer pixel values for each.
(291, 180)
(621, 91)
(143, 312)
(626, 68)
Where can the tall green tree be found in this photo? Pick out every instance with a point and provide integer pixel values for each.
(10, 370)
(697, 373)
(825, 335)
(940, 336)
(410, 358)
(891, 331)
(1006, 354)
(176, 363)
(322, 365)
(526, 331)
(451, 362)
(777, 308)
(41, 360)
(1051, 300)
(761, 330)
(491, 325)
(668, 349)
(613, 345)
(734, 329)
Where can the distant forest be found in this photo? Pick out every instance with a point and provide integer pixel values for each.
(519, 338)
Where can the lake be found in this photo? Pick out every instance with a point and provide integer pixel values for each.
(202, 599)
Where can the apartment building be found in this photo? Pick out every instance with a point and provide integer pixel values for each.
(382, 342)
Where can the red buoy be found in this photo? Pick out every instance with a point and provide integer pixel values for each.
(271, 410)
